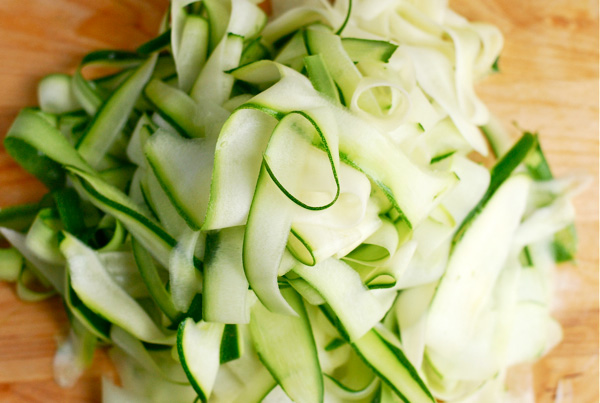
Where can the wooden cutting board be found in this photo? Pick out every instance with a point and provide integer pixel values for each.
(548, 83)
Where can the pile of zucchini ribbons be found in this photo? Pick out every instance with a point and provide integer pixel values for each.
(286, 208)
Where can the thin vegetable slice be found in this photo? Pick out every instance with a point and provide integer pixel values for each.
(111, 118)
(285, 345)
(198, 348)
(97, 290)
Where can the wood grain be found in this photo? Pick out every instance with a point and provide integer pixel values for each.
(548, 83)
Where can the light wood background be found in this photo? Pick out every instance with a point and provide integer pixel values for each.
(548, 83)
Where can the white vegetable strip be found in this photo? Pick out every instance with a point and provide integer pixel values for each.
(185, 279)
(267, 231)
(213, 82)
(183, 168)
(286, 346)
(357, 309)
(545, 222)
(473, 268)
(246, 19)
(178, 19)
(434, 75)
(145, 229)
(467, 46)
(112, 117)
(162, 207)
(237, 163)
(225, 291)
(411, 311)
(197, 345)
(194, 49)
(97, 290)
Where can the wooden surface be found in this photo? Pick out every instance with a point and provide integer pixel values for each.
(549, 84)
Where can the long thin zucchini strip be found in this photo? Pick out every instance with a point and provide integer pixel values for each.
(499, 173)
(237, 163)
(94, 323)
(183, 168)
(320, 78)
(286, 346)
(267, 231)
(391, 365)
(179, 18)
(360, 49)
(184, 279)
(114, 202)
(473, 270)
(156, 198)
(42, 237)
(199, 352)
(218, 13)
(340, 65)
(194, 51)
(213, 82)
(153, 281)
(100, 293)
(291, 21)
(247, 19)
(356, 307)
(85, 91)
(41, 148)
(221, 139)
(225, 290)
(175, 106)
(112, 115)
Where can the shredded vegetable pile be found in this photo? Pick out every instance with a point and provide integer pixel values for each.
(287, 207)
